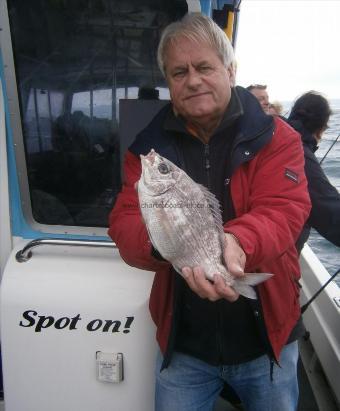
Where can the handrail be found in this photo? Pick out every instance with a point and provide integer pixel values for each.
(25, 254)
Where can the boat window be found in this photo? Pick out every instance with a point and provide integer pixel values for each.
(76, 62)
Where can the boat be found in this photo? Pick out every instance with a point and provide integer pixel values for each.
(78, 81)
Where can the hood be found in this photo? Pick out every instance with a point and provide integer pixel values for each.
(306, 136)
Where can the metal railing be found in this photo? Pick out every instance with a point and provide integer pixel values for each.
(26, 253)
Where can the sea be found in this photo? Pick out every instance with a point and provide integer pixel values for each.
(328, 253)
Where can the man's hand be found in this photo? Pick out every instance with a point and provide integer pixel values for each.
(203, 287)
(235, 260)
(234, 256)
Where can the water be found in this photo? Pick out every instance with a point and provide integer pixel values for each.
(328, 253)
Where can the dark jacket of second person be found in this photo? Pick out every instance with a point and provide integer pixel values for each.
(325, 213)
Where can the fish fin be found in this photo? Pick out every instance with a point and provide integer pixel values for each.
(255, 278)
(244, 285)
(150, 237)
(215, 208)
(245, 290)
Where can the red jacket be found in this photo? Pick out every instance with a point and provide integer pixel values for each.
(271, 202)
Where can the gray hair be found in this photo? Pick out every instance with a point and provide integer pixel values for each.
(199, 28)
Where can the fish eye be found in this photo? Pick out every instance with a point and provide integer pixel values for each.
(164, 168)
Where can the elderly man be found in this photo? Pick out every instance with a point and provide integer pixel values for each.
(218, 134)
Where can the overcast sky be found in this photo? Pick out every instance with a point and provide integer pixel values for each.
(290, 45)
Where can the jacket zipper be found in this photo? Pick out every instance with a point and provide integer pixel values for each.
(207, 163)
(219, 316)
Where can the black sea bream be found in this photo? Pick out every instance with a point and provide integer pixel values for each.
(184, 222)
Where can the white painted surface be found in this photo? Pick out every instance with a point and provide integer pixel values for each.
(55, 369)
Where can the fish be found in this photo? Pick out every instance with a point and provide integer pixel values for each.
(184, 222)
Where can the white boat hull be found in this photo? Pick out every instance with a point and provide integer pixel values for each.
(50, 363)
(322, 317)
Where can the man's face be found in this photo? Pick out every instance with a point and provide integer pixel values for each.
(199, 83)
(262, 97)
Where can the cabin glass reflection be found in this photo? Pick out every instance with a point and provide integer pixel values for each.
(75, 62)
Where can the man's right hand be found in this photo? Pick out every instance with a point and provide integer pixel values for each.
(206, 289)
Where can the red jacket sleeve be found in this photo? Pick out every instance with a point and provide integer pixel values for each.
(126, 226)
(271, 198)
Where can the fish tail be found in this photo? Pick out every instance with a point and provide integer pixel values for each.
(245, 285)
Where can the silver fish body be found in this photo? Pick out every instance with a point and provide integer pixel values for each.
(184, 221)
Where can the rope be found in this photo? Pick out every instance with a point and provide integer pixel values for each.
(308, 303)
(330, 148)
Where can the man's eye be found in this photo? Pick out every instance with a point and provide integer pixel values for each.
(204, 69)
(179, 74)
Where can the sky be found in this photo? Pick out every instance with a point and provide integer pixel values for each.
(292, 46)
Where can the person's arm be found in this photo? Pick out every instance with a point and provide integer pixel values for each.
(278, 203)
(127, 228)
(325, 214)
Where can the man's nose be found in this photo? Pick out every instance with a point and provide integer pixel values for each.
(193, 78)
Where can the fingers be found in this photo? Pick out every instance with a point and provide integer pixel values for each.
(204, 288)
(196, 280)
(234, 256)
(223, 290)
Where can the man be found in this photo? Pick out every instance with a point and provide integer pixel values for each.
(260, 92)
(218, 134)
